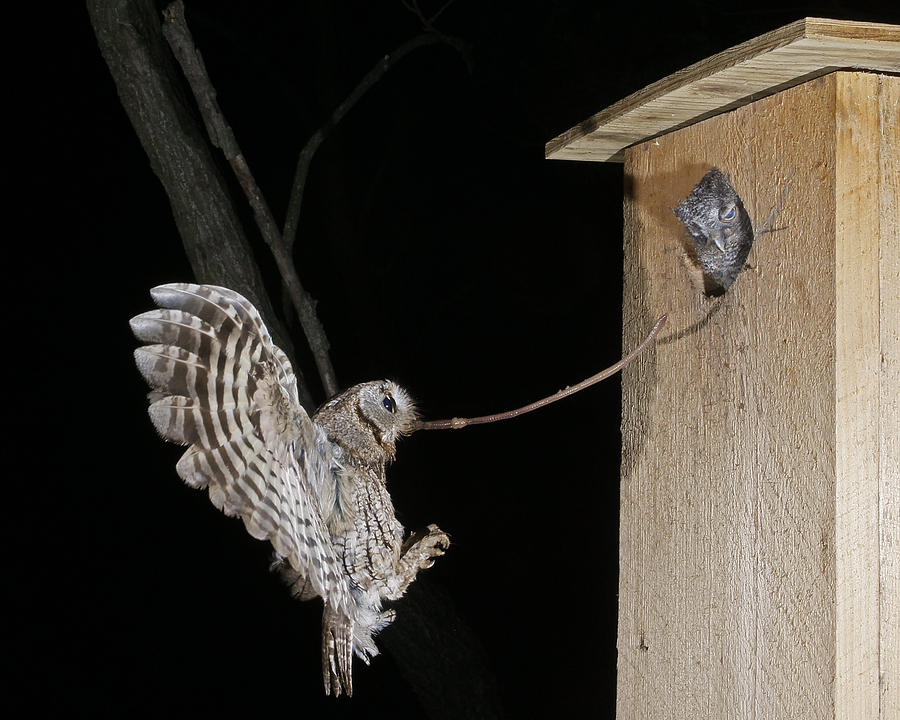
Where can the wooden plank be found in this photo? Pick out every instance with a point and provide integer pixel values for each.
(857, 399)
(727, 546)
(782, 58)
(889, 421)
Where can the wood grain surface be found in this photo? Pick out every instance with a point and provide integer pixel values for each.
(760, 471)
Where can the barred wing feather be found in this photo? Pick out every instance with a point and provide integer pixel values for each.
(221, 386)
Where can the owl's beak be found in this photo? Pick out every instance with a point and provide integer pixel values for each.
(718, 237)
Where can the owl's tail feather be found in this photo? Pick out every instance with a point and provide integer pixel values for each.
(337, 651)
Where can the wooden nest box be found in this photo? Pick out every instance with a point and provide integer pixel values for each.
(760, 496)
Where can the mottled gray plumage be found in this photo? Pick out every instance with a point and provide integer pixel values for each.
(314, 487)
(721, 229)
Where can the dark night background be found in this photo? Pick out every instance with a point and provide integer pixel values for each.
(444, 251)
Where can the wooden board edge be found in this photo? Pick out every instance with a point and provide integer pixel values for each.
(800, 30)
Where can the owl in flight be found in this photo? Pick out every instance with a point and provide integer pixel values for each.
(313, 487)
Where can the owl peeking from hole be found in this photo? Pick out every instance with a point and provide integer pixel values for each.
(721, 230)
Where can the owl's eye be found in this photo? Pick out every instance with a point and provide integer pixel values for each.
(728, 214)
(388, 403)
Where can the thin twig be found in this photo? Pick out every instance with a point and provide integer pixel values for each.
(427, 22)
(318, 137)
(179, 37)
(457, 423)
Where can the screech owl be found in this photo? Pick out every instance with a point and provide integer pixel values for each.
(314, 487)
(721, 229)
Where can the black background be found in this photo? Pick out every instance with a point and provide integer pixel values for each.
(445, 253)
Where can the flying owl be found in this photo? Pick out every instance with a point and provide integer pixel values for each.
(313, 487)
(721, 229)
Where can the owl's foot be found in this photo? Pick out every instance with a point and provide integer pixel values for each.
(424, 546)
(418, 552)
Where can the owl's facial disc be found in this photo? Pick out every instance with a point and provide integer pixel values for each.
(388, 407)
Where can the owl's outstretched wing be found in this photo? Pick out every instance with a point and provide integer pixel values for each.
(222, 387)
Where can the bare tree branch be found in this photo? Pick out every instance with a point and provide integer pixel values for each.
(368, 80)
(152, 92)
(177, 33)
(427, 22)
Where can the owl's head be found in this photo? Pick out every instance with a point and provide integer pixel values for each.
(379, 410)
(712, 213)
(388, 408)
(721, 230)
